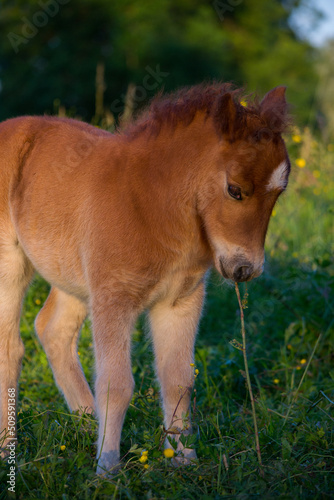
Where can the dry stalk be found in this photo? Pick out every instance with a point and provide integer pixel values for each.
(243, 332)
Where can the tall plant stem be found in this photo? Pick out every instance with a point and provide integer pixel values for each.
(244, 351)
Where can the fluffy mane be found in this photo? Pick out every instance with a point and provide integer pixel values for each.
(181, 106)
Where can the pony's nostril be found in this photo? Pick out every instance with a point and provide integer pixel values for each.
(242, 273)
(222, 268)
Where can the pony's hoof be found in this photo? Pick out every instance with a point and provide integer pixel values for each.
(8, 449)
(185, 457)
(4, 453)
(108, 465)
(105, 472)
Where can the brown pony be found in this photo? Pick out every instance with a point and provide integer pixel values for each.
(123, 223)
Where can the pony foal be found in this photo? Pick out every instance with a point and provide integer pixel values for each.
(123, 223)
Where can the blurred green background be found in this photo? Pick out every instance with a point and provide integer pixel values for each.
(50, 52)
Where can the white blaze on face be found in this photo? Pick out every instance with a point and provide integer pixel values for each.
(279, 177)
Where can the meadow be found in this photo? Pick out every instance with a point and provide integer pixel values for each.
(290, 332)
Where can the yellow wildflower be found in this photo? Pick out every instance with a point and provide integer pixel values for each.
(192, 364)
(144, 452)
(300, 162)
(289, 346)
(146, 466)
(296, 138)
(143, 459)
(302, 361)
(38, 302)
(63, 447)
(196, 372)
(273, 213)
(243, 103)
(295, 255)
(276, 380)
(78, 353)
(298, 367)
(169, 453)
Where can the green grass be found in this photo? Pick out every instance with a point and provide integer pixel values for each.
(289, 308)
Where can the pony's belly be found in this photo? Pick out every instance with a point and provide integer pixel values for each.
(59, 269)
(55, 258)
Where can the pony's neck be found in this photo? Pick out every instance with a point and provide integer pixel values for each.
(164, 174)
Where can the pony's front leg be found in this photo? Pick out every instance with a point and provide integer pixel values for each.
(174, 330)
(112, 325)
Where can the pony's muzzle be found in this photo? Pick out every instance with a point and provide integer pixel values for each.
(240, 271)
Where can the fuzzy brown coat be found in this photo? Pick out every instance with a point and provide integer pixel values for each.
(119, 224)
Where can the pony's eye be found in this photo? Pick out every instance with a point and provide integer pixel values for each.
(235, 192)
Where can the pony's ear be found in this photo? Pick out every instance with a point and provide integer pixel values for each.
(274, 109)
(228, 116)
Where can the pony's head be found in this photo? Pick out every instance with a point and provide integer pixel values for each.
(235, 159)
(246, 174)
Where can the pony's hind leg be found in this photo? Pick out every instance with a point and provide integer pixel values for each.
(58, 325)
(15, 274)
